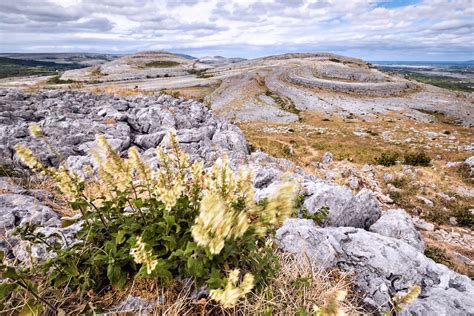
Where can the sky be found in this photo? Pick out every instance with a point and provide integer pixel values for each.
(402, 30)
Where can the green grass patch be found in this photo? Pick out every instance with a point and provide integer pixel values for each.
(161, 64)
(444, 82)
(438, 255)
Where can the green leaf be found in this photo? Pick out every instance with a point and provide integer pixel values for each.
(190, 248)
(110, 248)
(195, 266)
(138, 203)
(10, 273)
(170, 220)
(120, 239)
(170, 242)
(72, 270)
(116, 275)
(68, 221)
(215, 281)
(176, 254)
(6, 289)
(31, 309)
(162, 271)
(60, 280)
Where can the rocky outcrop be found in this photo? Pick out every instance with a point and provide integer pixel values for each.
(71, 120)
(345, 208)
(398, 224)
(20, 207)
(382, 266)
(341, 71)
(370, 83)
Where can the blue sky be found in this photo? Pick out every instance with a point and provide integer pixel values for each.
(369, 29)
(395, 4)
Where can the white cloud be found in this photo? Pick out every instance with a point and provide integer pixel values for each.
(368, 29)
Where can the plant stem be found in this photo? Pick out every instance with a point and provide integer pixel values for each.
(25, 285)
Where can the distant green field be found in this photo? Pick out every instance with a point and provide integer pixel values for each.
(444, 82)
(10, 67)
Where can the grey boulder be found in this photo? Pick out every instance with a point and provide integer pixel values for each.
(398, 224)
(345, 208)
(17, 209)
(382, 266)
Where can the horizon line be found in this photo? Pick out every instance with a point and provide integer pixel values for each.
(210, 55)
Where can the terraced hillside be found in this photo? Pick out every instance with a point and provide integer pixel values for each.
(391, 158)
(275, 88)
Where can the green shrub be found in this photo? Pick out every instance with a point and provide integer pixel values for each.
(387, 159)
(200, 73)
(417, 159)
(318, 217)
(464, 171)
(464, 217)
(57, 80)
(288, 151)
(176, 222)
(438, 255)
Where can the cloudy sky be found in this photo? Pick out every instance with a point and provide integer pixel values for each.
(373, 30)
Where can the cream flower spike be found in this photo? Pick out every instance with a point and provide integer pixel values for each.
(35, 130)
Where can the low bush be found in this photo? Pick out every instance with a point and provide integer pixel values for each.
(57, 80)
(387, 158)
(464, 171)
(287, 150)
(176, 222)
(417, 159)
(438, 255)
(464, 217)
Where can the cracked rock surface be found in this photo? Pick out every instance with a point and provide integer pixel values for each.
(382, 267)
(71, 120)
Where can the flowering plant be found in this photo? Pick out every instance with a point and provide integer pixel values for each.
(178, 220)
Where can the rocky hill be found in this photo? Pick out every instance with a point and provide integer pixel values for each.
(380, 246)
(274, 88)
(144, 65)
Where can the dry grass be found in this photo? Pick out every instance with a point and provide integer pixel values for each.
(47, 191)
(339, 137)
(299, 286)
(34, 87)
(445, 253)
(428, 182)
(122, 92)
(197, 93)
